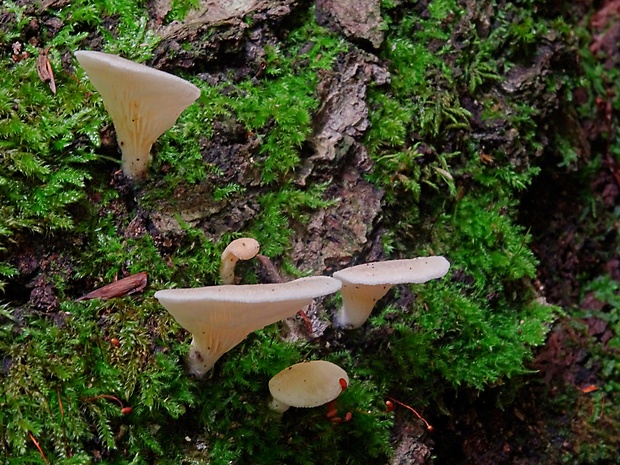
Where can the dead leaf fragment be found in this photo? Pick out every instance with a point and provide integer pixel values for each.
(519, 414)
(44, 69)
(122, 287)
(18, 54)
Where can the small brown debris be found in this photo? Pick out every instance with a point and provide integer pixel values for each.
(18, 54)
(307, 321)
(519, 414)
(126, 286)
(332, 413)
(44, 69)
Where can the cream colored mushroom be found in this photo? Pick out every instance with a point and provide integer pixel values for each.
(143, 103)
(307, 384)
(244, 248)
(220, 317)
(363, 285)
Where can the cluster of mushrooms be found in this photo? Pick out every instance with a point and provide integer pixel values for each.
(220, 317)
(144, 103)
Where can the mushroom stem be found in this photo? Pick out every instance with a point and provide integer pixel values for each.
(358, 304)
(363, 285)
(227, 269)
(278, 406)
(207, 348)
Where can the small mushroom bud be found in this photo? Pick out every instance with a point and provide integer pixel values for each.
(244, 248)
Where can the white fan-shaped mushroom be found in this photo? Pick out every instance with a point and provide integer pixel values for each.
(143, 103)
(363, 285)
(220, 317)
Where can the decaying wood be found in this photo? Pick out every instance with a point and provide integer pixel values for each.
(342, 119)
(411, 447)
(215, 27)
(356, 19)
(44, 69)
(126, 286)
(606, 26)
(327, 242)
(53, 4)
(215, 13)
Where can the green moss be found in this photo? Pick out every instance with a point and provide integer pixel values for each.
(59, 375)
(478, 327)
(279, 209)
(279, 109)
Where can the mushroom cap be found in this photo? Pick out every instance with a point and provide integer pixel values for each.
(220, 317)
(243, 248)
(363, 285)
(143, 102)
(216, 303)
(410, 270)
(308, 384)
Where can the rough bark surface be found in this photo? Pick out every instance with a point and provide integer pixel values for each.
(336, 234)
(359, 21)
(214, 29)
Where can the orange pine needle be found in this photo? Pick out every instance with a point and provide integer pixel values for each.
(62, 410)
(38, 447)
(107, 396)
(307, 321)
(64, 424)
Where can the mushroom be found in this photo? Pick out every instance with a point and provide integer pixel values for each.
(220, 317)
(363, 285)
(143, 103)
(307, 384)
(244, 248)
